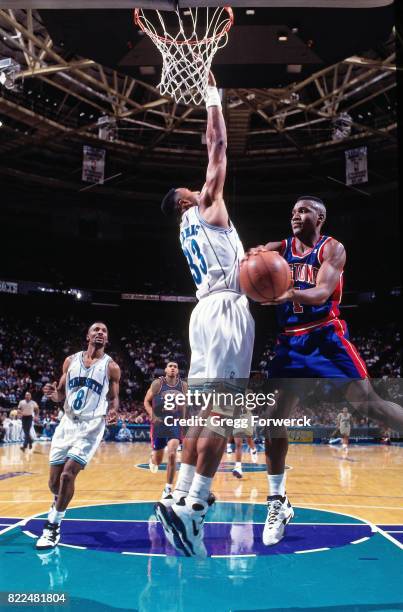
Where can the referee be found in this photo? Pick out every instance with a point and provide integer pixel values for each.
(27, 407)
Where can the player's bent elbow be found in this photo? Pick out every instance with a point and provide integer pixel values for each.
(321, 301)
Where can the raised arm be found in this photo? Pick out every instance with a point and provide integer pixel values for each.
(334, 258)
(212, 205)
(57, 392)
(114, 384)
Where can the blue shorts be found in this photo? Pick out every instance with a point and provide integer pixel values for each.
(161, 435)
(325, 352)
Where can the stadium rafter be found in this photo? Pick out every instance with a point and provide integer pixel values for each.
(58, 96)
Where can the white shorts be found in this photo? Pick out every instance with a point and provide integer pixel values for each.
(221, 336)
(76, 440)
(246, 431)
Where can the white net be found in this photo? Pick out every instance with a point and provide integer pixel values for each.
(187, 47)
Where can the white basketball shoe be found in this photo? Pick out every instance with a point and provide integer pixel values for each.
(50, 536)
(279, 514)
(253, 455)
(183, 524)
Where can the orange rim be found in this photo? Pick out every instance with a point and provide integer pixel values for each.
(228, 24)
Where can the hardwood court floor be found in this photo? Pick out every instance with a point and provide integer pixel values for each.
(368, 483)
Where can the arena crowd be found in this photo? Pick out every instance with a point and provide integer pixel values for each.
(32, 353)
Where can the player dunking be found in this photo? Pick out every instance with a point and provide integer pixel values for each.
(313, 342)
(162, 435)
(89, 385)
(221, 329)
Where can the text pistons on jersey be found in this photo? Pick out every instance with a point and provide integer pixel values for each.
(188, 232)
(304, 273)
(82, 381)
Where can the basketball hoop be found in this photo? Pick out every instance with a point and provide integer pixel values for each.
(188, 52)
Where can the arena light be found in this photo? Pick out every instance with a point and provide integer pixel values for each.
(342, 125)
(294, 68)
(107, 129)
(9, 69)
(147, 70)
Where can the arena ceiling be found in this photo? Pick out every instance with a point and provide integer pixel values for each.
(58, 95)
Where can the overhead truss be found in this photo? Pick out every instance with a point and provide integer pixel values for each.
(295, 119)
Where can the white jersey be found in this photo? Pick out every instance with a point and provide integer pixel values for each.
(86, 388)
(213, 254)
(344, 419)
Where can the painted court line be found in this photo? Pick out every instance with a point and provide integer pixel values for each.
(231, 556)
(13, 525)
(390, 538)
(107, 520)
(141, 554)
(352, 506)
(300, 552)
(359, 541)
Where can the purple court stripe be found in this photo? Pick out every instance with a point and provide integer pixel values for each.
(8, 521)
(397, 536)
(220, 538)
(391, 527)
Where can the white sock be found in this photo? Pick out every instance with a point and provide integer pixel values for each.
(184, 481)
(276, 484)
(238, 466)
(168, 487)
(55, 517)
(200, 489)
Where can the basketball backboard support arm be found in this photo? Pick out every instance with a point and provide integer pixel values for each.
(170, 5)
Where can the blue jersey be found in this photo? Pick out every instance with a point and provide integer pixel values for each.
(159, 399)
(161, 433)
(304, 271)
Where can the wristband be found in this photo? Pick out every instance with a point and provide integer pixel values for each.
(213, 97)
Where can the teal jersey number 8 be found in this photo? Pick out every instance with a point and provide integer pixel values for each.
(199, 268)
(78, 402)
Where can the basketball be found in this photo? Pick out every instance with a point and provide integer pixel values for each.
(264, 276)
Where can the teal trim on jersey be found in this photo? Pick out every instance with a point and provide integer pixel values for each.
(103, 384)
(365, 577)
(75, 458)
(225, 230)
(82, 362)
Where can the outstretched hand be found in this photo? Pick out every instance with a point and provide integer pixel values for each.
(253, 251)
(211, 80)
(287, 296)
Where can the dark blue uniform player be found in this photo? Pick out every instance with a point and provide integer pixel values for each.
(313, 343)
(164, 413)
